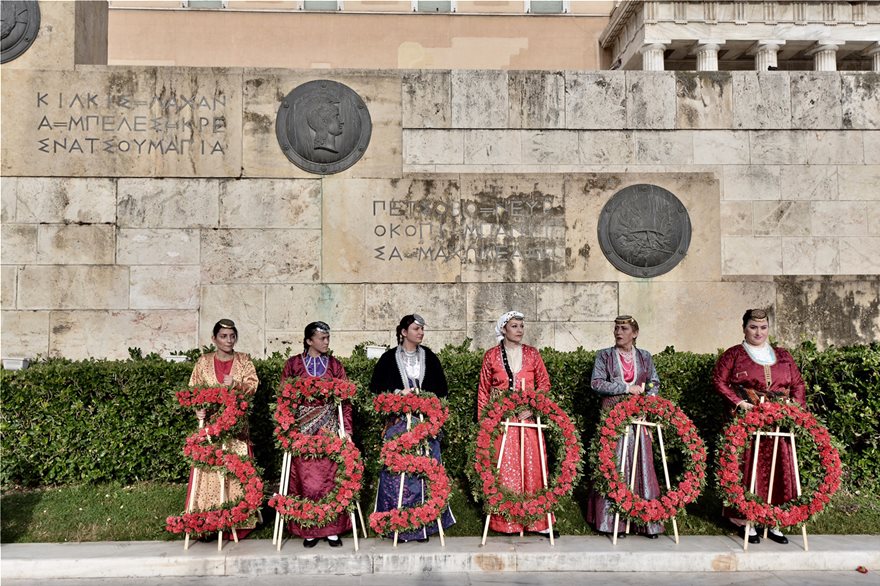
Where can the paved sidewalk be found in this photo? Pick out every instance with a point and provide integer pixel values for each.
(461, 555)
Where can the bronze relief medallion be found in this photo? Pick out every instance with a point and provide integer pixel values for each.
(19, 28)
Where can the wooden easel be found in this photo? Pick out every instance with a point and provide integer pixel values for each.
(284, 486)
(638, 424)
(403, 477)
(522, 470)
(776, 434)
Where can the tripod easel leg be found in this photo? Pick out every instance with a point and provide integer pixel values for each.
(283, 488)
(498, 465)
(544, 476)
(797, 484)
(622, 472)
(361, 517)
(752, 484)
(635, 459)
(772, 474)
(666, 474)
(522, 468)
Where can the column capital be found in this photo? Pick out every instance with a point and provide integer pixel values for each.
(824, 45)
(766, 45)
(873, 49)
(656, 45)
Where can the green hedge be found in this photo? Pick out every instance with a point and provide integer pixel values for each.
(69, 422)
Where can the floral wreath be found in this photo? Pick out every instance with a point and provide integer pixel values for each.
(349, 466)
(607, 475)
(204, 450)
(730, 474)
(398, 456)
(498, 499)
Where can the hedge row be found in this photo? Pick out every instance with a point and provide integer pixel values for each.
(68, 422)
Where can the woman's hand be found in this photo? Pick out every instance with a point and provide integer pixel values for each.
(636, 389)
(405, 391)
(228, 381)
(745, 405)
(524, 414)
(201, 413)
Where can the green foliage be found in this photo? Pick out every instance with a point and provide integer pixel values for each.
(65, 422)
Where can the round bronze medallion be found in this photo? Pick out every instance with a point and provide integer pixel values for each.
(21, 22)
(644, 230)
(323, 127)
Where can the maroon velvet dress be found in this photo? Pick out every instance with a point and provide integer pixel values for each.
(313, 478)
(734, 373)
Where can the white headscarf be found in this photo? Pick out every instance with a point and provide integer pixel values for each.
(502, 321)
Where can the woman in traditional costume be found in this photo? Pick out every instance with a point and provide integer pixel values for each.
(232, 369)
(620, 372)
(313, 478)
(513, 365)
(409, 367)
(745, 374)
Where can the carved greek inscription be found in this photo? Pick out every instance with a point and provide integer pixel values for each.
(92, 123)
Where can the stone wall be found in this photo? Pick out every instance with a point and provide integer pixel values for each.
(480, 192)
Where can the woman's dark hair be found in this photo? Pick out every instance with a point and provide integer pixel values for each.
(227, 324)
(756, 315)
(405, 322)
(315, 326)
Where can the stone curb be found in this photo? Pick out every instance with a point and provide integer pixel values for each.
(462, 554)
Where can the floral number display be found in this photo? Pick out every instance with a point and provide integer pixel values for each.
(517, 507)
(399, 457)
(730, 466)
(607, 473)
(349, 467)
(204, 449)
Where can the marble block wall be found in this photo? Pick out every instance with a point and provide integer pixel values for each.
(141, 204)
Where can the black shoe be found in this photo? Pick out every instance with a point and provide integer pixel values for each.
(619, 535)
(310, 543)
(334, 542)
(781, 539)
(752, 538)
(652, 535)
(423, 540)
(545, 535)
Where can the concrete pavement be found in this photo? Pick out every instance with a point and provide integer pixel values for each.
(252, 558)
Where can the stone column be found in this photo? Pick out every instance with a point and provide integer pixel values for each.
(874, 52)
(825, 55)
(707, 55)
(765, 54)
(652, 56)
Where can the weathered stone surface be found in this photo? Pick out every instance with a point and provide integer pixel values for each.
(136, 246)
(537, 334)
(650, 100)
(8, 280)
(751, 182)
(73, 287)
(433, 147)
(19, 243)
(839, 218)
(834, 310)
(8, 198)
(342, 342)
(131, 121)
(595, 99)
(168, 203)
(872, 147)
(109, 334)
(874, 218)
(761, 100)
(860, 95)
(775, 147)
(487, 301)
(703, 100)
(404, 231)
(290, 308)
(550, 147)
(808, 182)
(830, 147)
(442, 306)
(479, 99)
(64, 200)
(243, 304)
(815, 99)
(663, 148)
(76, 244)
(810, 256)
(782, 218)
(749, 255)
(858, 255)
(605, 147)
(25, 333)
(737, 218)
(587, 194)
(270, 203)
(721, 147)
(857, 182)
(664, 322)
(513, 227)
(575, 301)
(164, 287)
(427, 99)
(495, 147)
(262, 95)
(569, 336)
(536, 99)
(261, 256)
(54, 46)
